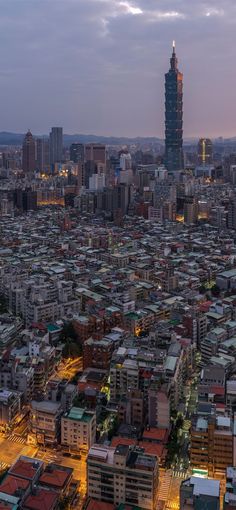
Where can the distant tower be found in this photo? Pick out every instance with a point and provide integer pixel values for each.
(56, 145)
(205, 151)
(77, 152)
(28, 153)
(174, 116)
(42, 154)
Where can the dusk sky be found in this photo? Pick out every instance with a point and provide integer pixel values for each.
(97, 66)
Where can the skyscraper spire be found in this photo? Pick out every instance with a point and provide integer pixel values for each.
(173, 60)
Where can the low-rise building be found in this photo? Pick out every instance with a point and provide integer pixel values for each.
(56, 478)
(200, 493)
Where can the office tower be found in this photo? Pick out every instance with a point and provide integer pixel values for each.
(42, 154)
(56, 145)
(125, 161)
(123, 475)
(232, 174)
(200, 494)
(190, 210)
(29, 200)
(96, 152)
(174, 116)
(77, 152)
(205, 151)
(232, 214)
(95, 160)
(97, 182)
(28, 153)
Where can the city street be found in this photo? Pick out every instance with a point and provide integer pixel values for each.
(68, 369)
(168, 493)
(10, 450)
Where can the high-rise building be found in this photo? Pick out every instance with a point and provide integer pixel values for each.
(77, 152)
(56, 145)
(190, 210)
(28, 153)
(42, 154)
(205, 151)
(95, 152)
(232, 214)
(174, 116)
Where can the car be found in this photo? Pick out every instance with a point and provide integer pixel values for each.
(66, 454)
(76, 457)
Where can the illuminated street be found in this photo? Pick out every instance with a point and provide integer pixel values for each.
(68, 369)
(10, 450)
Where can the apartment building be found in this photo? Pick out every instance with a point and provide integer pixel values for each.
(123, 474)
(78, 429)
(45, 419)
(97, 353)
(212, 444)
(123, 376)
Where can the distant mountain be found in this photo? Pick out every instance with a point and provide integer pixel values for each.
(7, 138)
(110, 140)
(10, 138)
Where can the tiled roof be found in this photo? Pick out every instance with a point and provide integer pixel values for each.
(12, 483)
(42, 500)
(56, 477)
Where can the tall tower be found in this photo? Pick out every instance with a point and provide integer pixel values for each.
(56, 145)
(28, 153)
(174, 116)
(205, 151)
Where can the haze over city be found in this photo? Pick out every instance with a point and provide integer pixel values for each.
(97, 66)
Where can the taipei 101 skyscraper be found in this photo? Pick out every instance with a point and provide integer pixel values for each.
(173, 116)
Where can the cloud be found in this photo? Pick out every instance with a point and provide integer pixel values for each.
(214, 12)
(98, 65)
(130, 9)
(166, 15)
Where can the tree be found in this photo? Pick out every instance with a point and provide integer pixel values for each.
(71, 349)
(68, 332)
(215, 291)
(114, 426)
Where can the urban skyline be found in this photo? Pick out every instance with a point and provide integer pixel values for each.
(117, 257)
(121, 49)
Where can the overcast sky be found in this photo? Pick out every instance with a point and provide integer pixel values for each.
(97, 66)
